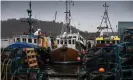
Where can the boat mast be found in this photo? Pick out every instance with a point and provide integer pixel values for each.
(54, 21)
(29, 21)
(68, 15)
(106, 18)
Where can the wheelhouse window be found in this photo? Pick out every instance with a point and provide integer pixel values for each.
(73, 41)
(18, 39)
(70, 36)
(30, 40)
(65, 41)
(74, 36)
(107, 42)
(57, 41)
(102, 42)
(24, 39)
(69, 41)
(113, 42)
(35, 40)
(98, 42)
(61, 41)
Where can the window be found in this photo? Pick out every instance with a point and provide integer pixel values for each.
(61, 41)
(30, 40)
(98, 42)
(70, 36)
(24, 39)
(73, 41)
(113, 42)
(18, 39)
(102, 42)
(107, 42)
(57, 41)
(35, 40)
(74, 36)
(69, 41)
(65, 41)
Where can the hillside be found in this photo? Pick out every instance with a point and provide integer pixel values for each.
(12, 27)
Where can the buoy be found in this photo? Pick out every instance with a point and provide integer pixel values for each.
(78, 58)
(101, 70)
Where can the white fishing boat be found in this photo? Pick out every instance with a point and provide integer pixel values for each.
(69, 44)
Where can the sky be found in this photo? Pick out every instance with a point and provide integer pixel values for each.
(86, 15)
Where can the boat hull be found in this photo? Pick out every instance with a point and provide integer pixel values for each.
(65, 55)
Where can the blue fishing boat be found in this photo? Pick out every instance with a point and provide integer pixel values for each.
(31, 38)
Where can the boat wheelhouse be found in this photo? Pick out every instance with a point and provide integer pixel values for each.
(69, 40)
(35, 38)
(107, 40)
(41, 41)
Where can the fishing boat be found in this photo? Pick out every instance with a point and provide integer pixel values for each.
(105, 39)
(21, 58)
(103, 44)
(69, 44)
(33, 39)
